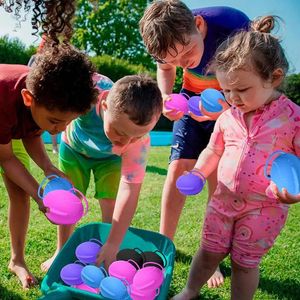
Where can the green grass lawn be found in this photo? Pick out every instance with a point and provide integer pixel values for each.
(280, 269)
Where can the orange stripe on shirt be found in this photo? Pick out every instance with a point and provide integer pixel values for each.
(197, 83)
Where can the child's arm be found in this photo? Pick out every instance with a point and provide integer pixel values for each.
(36, 149)
(166, 75)
(16, 171)
(208, 161)
(125, 207)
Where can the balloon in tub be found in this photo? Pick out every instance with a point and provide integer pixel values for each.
(71, 274)
(190, 183)
(177, 102)
(210, 100)
(285, 171)
(87, 252)
(92, 275)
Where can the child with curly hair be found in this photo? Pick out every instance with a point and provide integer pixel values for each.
(246, 213)
(57, 89)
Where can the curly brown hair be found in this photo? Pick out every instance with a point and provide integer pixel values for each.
(138, 96)
(54, 17)
(62, 79)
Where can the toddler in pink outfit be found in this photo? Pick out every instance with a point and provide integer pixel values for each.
(246, 213)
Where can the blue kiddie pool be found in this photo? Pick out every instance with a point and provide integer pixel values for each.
(158, 138)
(54, 288)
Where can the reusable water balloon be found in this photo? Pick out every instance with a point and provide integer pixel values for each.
(148, 278)
(54, 183)
(210, 100)
(156, 257)
(71, 273)
(285, 171)
(123, 270)
(87, 288)
(194, 105)
(92, 275)
(190, 183)
(134, 256)
(87, 252)
(114, 288)
(137, 294)
(177, 102)
(65, 207)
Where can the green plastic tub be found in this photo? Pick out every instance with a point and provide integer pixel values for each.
(53, 287)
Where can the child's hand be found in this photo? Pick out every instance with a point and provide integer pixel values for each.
(41, 206)
(282, 196)
(107, 255)
(215, 115)
(50, 170)
(171, 114)
(200, 118)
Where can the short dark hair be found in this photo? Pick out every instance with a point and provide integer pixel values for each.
(61, 79)
(138, 96)
(165, 23)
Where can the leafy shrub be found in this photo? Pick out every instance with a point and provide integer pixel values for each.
(13, 51)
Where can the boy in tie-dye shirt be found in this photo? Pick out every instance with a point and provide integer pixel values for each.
(112, 142)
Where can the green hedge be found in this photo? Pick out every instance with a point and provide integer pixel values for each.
(13, 51)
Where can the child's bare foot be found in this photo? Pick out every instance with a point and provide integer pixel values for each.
(45, 266)
(216, 280)
(20, 269)
(186, 294)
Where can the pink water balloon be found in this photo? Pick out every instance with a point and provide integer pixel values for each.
(177, 102)
(65, 207)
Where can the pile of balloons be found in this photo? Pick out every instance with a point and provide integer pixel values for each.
(64, 202)
(135, 275)
(208, 101)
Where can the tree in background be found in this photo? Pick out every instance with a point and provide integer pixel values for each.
(13, 51)
(111, 27)
(292, 87)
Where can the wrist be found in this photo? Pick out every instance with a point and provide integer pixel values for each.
(198, 173)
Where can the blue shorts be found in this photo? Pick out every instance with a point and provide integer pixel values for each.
(190, 137)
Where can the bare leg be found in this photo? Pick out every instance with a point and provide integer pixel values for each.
(217, 279)
(63, 233)
(244, 282)
(54, 143)
(18, 218)
(107, 209)
(203, 266)
(173, 201)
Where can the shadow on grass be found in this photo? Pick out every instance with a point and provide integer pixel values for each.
(287, 289)
(157, 170)
(281, 289)
(6, 294)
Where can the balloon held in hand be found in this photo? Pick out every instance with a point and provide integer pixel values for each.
(284, 171)
(191, 183)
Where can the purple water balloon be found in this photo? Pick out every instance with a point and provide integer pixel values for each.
(190, 184)
(87, 252)
(194, 105)
(71, 274)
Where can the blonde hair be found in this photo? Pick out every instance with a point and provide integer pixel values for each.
(255, 49)
(138, 96)
(164, 24)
